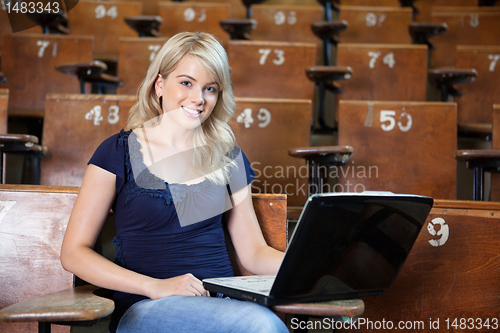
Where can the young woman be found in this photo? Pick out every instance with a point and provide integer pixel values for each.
(168, 177)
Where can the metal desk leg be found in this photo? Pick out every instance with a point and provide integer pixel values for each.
(478, 194)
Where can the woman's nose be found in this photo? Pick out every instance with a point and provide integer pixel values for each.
(197, 97)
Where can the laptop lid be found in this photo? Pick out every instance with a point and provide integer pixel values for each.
(349, 244)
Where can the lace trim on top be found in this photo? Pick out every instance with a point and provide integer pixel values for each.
(119, 252)
(147, 183)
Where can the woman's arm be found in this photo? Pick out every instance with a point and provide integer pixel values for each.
(255, 255)
(78, 257)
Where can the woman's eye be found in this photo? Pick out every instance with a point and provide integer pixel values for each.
(212, 89)
(186, 83)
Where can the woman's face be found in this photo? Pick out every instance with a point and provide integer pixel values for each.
(189, 93)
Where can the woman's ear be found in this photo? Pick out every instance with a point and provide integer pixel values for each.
(159, 85)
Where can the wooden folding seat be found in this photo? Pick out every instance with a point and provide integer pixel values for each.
(74, 136)
(286, 23)
(34, 220)
(376, 24)
(134, 57)
(402, 147)
(4, 25)
(495, 177)
(4, 101)
(144, 25)
(450, 275)
(265, 129)
(238, 7)
(271, 69)
(424, 7)
(194, 16)
(105, 21)
(6, 28)
(384, 72)
(466, 26)
(477, 98)
(19, 144)
(382, 3)
(29, 61)
(483, 160)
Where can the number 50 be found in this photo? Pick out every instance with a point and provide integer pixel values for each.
(389, 116)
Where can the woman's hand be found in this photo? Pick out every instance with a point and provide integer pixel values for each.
(185, 285)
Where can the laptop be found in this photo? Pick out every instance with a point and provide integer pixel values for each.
(345, 245)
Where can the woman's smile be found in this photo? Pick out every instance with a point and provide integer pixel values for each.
(193, 113)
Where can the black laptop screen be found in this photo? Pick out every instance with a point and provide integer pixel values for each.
(346, 244)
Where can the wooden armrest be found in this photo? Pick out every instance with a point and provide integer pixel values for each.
(452, 75)
(6, 139)
(76, 304)
(146, 26)
(51, 22)
(324, 155)
(489, 160)
(329, 30)
(445, 78)
(339, 308)
(103, 78)
(328, 73)
(91, 72)
(487, 2)
(22, 144)
(238, 29)
(475, 129)
(421, 31)
(82, 69)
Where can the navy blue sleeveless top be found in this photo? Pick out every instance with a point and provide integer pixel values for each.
(166, 230)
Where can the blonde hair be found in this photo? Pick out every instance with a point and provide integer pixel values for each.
(214, 138)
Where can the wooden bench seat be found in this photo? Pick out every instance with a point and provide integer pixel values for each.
(402, 147)
(90, 17)
(265, 129)
(33, 222)
(287, 23)
(477, 98)
(19, 144)
(29, 61)
(74, 136)
(452, 272)
(386, 25)
(271, 64)
(37, 289)
(466, 26)
(481, 161)
(384, 72)
(424, 7)
(194, 16)
(134, 56)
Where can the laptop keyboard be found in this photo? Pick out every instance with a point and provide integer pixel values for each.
(261, 283)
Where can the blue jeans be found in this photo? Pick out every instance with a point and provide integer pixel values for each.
(199, 314)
